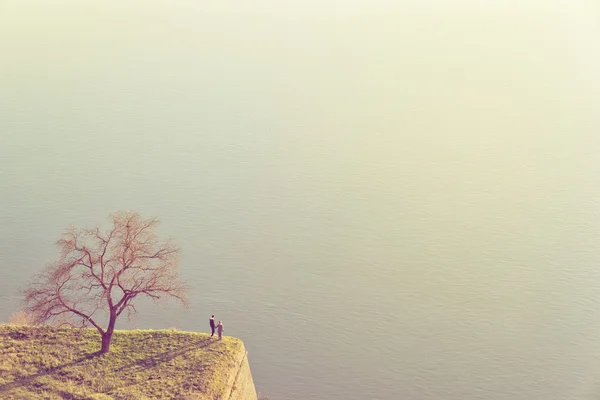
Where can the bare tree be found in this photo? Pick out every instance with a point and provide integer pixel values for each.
(99, 275)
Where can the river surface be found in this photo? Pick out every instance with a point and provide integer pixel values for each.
(383, 201)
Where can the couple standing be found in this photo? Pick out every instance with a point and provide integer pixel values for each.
(219, 327)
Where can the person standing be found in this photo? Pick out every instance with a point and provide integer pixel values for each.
(220, 330)
(212, 325)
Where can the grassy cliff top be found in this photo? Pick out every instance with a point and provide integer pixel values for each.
(63, 363)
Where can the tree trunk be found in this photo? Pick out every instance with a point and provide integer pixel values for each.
(106, 337)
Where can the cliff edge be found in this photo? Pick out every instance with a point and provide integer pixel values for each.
(57, 363)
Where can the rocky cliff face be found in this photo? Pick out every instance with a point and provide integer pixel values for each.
(240, 383)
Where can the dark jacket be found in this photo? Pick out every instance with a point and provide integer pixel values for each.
(212, 322)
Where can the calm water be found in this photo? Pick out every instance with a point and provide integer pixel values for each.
(384, 202)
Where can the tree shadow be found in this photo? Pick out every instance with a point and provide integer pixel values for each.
(136, 366)
(48, 371)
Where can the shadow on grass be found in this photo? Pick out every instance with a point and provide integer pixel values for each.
(139, 365)
(161, 358)
(26, 380)
(156, 360)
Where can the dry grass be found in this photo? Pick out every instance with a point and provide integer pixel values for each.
(22, 318)
(64, 363)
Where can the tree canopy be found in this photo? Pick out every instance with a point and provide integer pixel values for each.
(99, 275)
